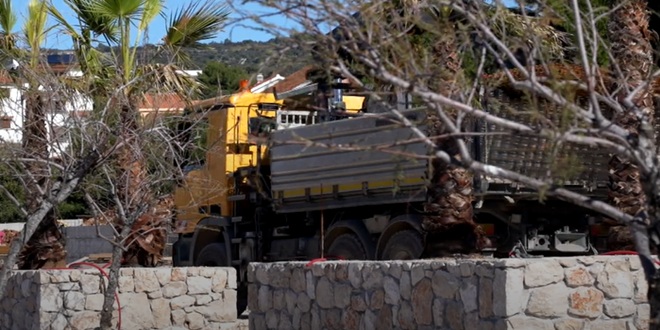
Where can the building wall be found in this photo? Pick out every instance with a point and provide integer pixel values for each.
(14, 107)
(150, 298)
(549, 293)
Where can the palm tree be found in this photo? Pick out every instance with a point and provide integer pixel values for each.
(630, 38)
(631, 48)
(122, 26)
(46, 246)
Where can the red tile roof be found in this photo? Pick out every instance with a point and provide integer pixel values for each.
(166, 101)
(293, 80)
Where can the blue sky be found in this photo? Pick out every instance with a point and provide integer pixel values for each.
(234, 32)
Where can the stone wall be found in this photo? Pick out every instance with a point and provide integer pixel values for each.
(550, 293)
(150, 298)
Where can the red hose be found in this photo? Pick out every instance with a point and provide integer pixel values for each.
(100, 269)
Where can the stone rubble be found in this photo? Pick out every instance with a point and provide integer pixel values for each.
(595, 292)
(151, 298)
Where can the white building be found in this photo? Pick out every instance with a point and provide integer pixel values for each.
(58, 120)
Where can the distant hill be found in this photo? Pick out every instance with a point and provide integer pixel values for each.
(274, 56)
(278, 55)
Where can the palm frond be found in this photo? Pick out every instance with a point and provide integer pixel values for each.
(35, 24)
(7, 24)
(100, 25)
(152, 8)
(167, 78)
(7, 17)
(116, 8)
(195, 23)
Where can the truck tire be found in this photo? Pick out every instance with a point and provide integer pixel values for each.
(347, 246)
(212, 255)
(403, 245)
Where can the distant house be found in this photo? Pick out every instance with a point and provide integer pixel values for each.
(12, 106)
(156, 105)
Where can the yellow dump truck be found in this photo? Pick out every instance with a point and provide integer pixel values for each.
(282, 184)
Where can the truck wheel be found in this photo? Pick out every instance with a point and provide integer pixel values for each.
(404, 245)
(212, 255)
(347, 246)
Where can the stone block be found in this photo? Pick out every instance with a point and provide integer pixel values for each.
(406, 316)
(182, 302)
(467, 268)
(51, 300)
(468, 294)
(508, 288)
(444, 284)
(354, 274)
(392, 294)
(160, 309)
(90, 283)
(178, 317)
(619, 308)
(69, 286)
(350, 319)
(586, 302)
(265, 298)
(324, 293)
(373, 277)
(642, 317)
(145, 280)
(569, 324)
(85, 320)
(179, 274)
(342, 295)
(543, 272)
(278, 300)
(136, 311)
(454, 316)
(548, 301)
(220, 311)
(126, 284)
(417, 273)
(358, 302)
(578, 276)
(641, 288)
(485, 297)
(74, 300)
(297, 281)
(615, 280)
(272, 319)
(608, 324)
(219, 281)
(521, 322)
(198, 285)
(311, 288)
(174, 289)
(304, 302)
(201, 300)
(94, 302)
(164, 275)
(208, 272)
(422, 302)
(195, 321)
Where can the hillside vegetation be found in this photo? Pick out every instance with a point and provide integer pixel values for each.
(276, 56)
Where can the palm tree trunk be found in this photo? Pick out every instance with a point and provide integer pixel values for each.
(147, 237)
(449, 222)
(633, 54)
(46, 247)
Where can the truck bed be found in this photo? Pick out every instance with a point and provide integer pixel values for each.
(375, 160)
